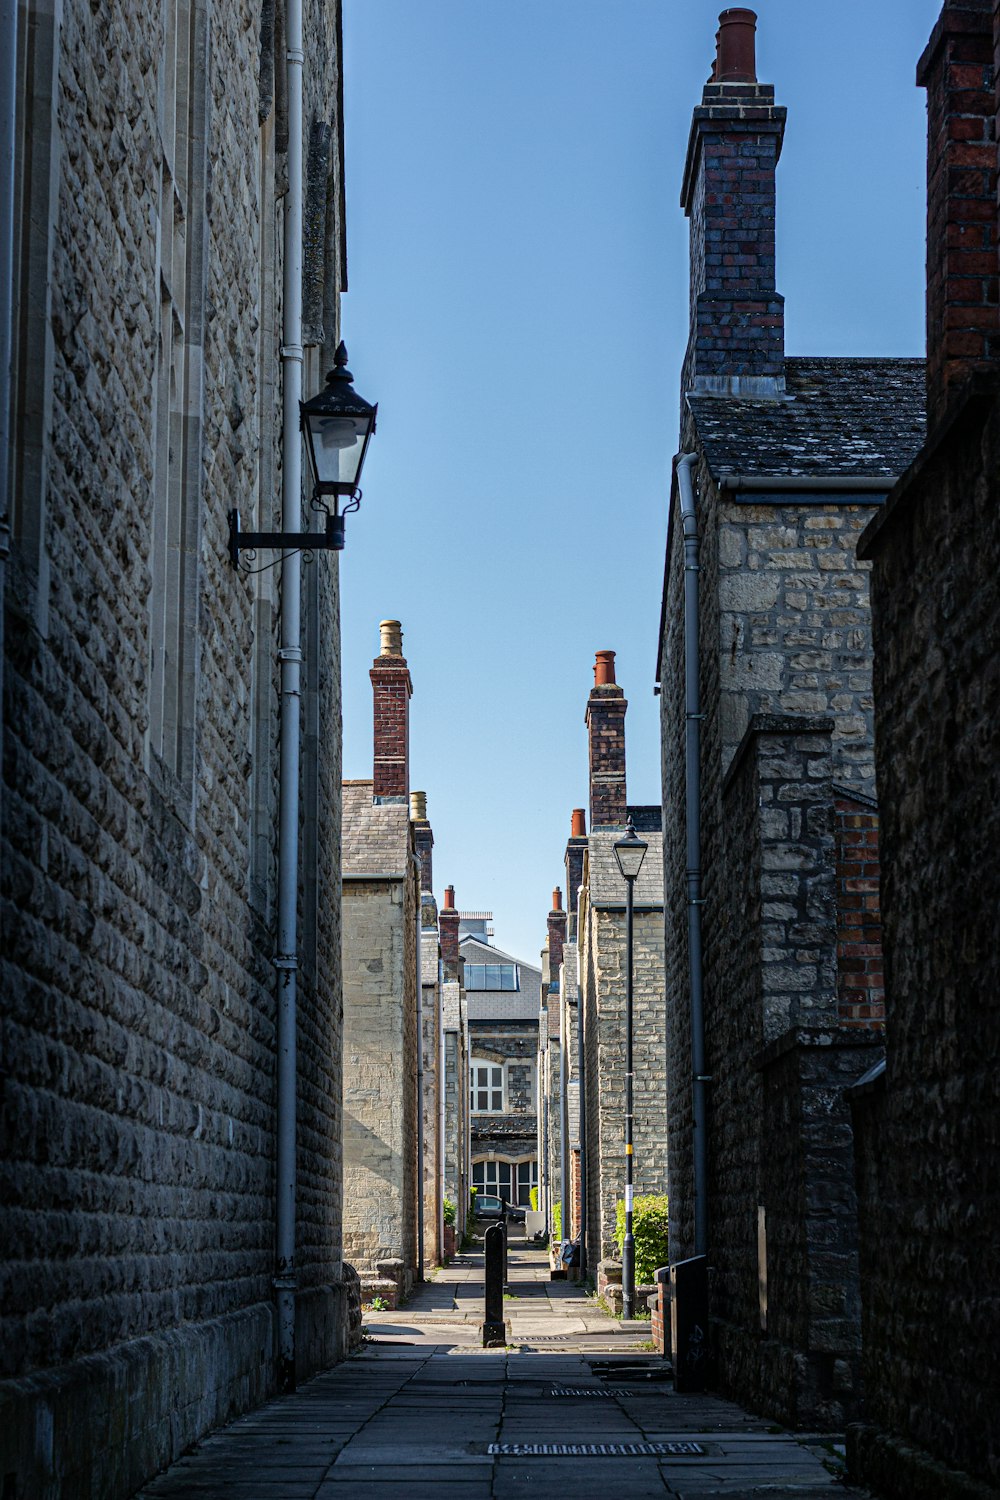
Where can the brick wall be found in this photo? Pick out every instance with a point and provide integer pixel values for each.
(737, 317)
(860, 982)
(605, 716)
(930, 1201)
(963, 317)
(136, 972)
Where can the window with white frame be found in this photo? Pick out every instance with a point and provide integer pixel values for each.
(487, 1091)
(512, 1180)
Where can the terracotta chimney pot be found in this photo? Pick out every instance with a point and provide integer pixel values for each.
(391, 635)
(736, 60)
(578, 826)
(557, 899)
(449, 898)
(418, 807)
(604, 669)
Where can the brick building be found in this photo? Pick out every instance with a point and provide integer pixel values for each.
(770, 815)
(503, 998)
(140, 715)
(383, 971)
(598, 906)
(927, 1123)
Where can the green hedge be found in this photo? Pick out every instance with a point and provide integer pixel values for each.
(449, 1211)
(557, 1221)
(649, 1229)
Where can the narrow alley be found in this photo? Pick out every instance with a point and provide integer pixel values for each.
(575, 1405)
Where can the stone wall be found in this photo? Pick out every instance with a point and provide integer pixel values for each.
(138, 793)
(785, 659)
(928, 1185)
(380, 1042)
(456, 1102)
(431, 1166)
(604, 957)
(512, 1045)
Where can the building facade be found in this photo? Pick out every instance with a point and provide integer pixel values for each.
(503, 997)
(770, 830)
(383, 979)
(926, 1122)
(140, 728)
(602, 937)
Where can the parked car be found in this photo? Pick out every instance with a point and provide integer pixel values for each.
(515, 1213)
(489, 1207)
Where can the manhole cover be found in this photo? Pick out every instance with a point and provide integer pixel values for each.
(595, 1450)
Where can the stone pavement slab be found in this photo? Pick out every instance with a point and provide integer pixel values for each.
(423, 1411)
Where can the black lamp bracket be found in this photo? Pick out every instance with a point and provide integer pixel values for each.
(331, 539)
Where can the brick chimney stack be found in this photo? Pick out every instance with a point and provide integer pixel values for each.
(557, 936)
(392, 689)
(736, 345)
(605, 720)
(963, 317)
(448, 922)
(576, 844)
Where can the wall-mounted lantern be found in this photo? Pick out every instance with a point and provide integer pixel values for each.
(338, 424)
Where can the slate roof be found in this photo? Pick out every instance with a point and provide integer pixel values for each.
(861, 417)
(607, 888)
(375, 838)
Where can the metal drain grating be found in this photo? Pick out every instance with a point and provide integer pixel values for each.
(548, 1338)
(595, 1450)
(589, 1390)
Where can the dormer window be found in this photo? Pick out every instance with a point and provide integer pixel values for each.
(492, 977)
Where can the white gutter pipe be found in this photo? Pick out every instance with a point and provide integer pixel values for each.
(692, 771)
(290, 658)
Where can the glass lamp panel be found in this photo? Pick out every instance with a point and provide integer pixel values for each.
(630, 855)
(338, 443)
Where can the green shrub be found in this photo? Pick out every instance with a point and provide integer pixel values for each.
(472, 1203)
(649, 1229)
(557, 1220)
(449, 1211)
(534, 1199)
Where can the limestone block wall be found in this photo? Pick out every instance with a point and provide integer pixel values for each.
(456, 1102)
(782, 1198)
(380, 1042)
(430, 1169)
(930, 1197)
(784, 628)
(138, 784)
(604, 960)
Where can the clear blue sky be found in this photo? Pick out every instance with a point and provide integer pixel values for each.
(518, 308)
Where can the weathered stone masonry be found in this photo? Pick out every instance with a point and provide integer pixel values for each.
(137, 798)
(928, 1128)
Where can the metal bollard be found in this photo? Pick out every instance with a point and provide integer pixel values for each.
(494, 1328)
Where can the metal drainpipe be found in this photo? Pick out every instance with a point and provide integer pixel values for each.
(420, 1081)
(692, 771)
(290, 657)
(8, 132)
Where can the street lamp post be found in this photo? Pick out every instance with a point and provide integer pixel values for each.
(629, 852)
